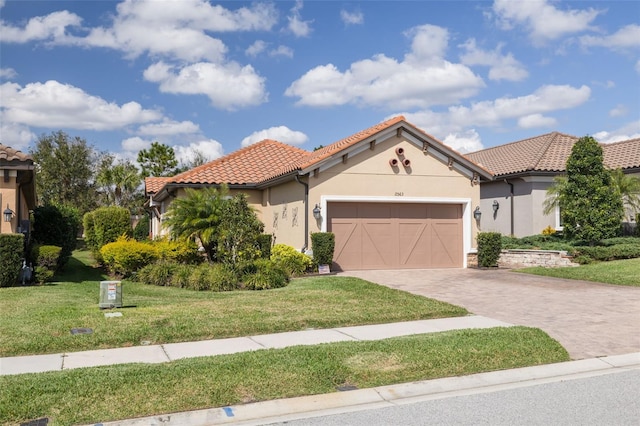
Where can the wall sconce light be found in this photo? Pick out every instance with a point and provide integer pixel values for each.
(317, 211)
(477, 214)
(496, 206)
(8, 214)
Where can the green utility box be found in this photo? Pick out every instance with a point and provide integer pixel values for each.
(110, 294)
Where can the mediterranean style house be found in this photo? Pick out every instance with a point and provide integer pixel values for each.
(394, 196)
(17, 190)
(523, 170)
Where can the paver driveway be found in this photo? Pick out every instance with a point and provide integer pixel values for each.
(588, 319)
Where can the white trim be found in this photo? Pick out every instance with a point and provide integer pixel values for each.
(464, 202)
(558, 227)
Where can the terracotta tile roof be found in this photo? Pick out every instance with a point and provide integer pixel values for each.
(549, 153)
(154, 184)
(328, 151)
(622, 155)
(8, 154)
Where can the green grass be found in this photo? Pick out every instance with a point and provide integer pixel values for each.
(618, 272)
(38, 320)
(92, 395)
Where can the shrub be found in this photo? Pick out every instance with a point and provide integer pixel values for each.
(290, 260)
(105, 225)
(215, 277)
(263, 275)
(323, 244)
(489, 248)
(180, 251)
(605, 253)
(46, 258)
(549, 230)
(638, 225)
(181, 274)
(141, 230)
(125, 256)
(58, 226)
(159, 273)
(11, 253)
(264, 244)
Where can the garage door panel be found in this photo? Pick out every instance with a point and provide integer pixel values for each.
(396, 235)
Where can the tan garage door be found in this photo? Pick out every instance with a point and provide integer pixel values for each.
(396, 235)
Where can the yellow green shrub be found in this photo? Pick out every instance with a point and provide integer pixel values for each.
(125, 256)
(290, 260)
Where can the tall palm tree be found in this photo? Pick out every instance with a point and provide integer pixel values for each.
(119, 181)
(197, 216)
(629, 187)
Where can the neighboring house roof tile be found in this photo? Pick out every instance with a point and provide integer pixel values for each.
(8, 154)
(155, 184)
(549, 153)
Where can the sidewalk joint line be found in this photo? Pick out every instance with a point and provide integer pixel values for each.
(166, 353)
(347, 334)
(256, 342)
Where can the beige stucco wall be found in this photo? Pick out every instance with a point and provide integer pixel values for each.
(283, 213)
(9, 197)
(368, 174)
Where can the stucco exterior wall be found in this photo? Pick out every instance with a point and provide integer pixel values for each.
(368, 174)
(8, 191)
(283, 213)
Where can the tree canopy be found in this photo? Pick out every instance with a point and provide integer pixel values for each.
(158, 160)
(590, 203)
(119, 182)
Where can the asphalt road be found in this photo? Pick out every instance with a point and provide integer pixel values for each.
(610, 399)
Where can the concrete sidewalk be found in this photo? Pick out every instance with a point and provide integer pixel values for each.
(174, 351)
(285, 410)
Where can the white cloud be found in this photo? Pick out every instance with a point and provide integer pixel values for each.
(536, 120)
(626, 37)
(211, 149)
(618, 111)
(256, 48)
(542, 19)
(467, 141)
(169, 127)
(16, 135)
(352, 18)
(628, 131)
(527, 110)
(282, 51)
(8, 73)
(228, 86)
(177, 29)
(297, 26)
(424, 78)
(52, 27)
(53, 104)
(279, 133)
(135, 144)
(502, 67)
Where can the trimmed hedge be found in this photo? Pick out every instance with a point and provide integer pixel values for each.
(47, 259)
(105, 225)
(489, 248)
(57, 226)
(323, 245)
(290, 260)
(11, 253)
(123, 257)
(587, 254)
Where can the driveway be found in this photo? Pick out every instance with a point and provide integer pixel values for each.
(588, 319)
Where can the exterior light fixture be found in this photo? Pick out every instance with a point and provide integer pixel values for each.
(477, 214)
(496, 206)
(317, 211)
(8, 214)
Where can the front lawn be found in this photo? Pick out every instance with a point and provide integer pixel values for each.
(38, 320)
(94, 395)
(619, 272)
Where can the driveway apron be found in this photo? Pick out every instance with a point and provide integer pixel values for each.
(588, 319)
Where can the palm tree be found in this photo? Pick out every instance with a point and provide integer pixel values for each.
(555, 194)
(119, 181)
(629, 187)
(197, 216)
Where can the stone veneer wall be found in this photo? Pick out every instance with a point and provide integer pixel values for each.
(526, 258)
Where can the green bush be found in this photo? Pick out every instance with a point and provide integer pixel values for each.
(47, 261)
(58, 226)
(215, 277)
(124, 257)
(638, 225)
(264, 275)
(181, 274)
(11, 253)
(586, 254)
(105, 225)
(264, 244)
(290, 260)
(323, 245)
(159, 273)
(141, 230)
(180, 251)
(489, 248)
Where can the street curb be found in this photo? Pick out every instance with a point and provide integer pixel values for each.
(309, 406)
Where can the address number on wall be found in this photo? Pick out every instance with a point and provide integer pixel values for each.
(399, 194)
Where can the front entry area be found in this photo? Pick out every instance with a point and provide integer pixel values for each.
(396, 235)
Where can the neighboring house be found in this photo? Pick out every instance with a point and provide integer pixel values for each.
(17, 190)
(523, 170)
(394, 196)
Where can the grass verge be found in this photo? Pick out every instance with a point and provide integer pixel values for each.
(93, 395)
(38, 320)
(618, 272)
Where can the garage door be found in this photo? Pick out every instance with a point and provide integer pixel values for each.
(396, 235)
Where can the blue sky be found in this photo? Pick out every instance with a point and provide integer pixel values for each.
(216, 76)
